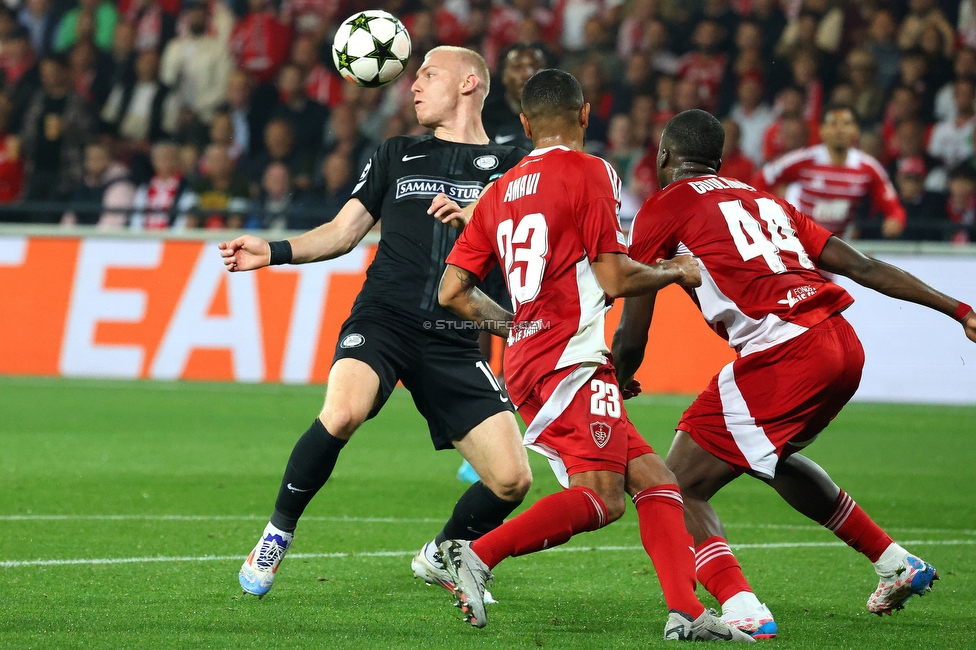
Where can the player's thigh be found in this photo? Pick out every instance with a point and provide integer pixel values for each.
(353, 393)
(698, 473)
(494, 448)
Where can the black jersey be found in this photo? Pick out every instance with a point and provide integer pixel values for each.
(396, 187)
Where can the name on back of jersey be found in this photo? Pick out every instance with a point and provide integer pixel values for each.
(719, 183)
(424, 187)
(522, 186)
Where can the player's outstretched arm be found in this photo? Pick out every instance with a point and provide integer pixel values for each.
(620, 276)
(329, 240)
(630, 339)
(335, 238)
(839, 257)
(460, 294)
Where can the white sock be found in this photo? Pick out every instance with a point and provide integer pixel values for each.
(741, 605)
(274, 530)
(890, 561)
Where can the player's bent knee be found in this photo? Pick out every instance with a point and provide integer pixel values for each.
(341, 421)
(511, 485)
(616, 505)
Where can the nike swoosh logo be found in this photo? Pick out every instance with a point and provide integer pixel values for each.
(295, 489)
(502, 139)
(409, 158)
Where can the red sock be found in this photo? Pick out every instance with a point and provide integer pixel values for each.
(660, 512)
(851, 524)
(551, 521)
(718, 570)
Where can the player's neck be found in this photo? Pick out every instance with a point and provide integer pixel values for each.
(688, 170)
(838, 156)
(463, 129)
(545, 140)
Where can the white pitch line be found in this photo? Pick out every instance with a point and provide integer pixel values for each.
(416, 520)
(353, 520)
(13, 564)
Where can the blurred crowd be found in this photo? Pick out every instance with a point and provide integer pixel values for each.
(156, 114)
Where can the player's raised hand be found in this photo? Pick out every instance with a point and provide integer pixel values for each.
(690, 273)
(448, 212)
(245, 253)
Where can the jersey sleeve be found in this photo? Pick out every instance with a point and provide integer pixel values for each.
(373, 183)
(598, 206)
(812, 235)
(784, 169)
(883, 194)
(650, 237)
(473, 251)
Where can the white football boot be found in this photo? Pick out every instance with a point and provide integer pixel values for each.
(707, 627)
(259, 569)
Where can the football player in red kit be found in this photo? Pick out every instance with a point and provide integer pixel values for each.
(551, 222)
(799, 361)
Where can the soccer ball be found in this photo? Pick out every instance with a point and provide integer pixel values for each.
(371, 48)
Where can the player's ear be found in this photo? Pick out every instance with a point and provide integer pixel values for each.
(718, 165)
(663, 156)
(584, 116)
(525, 125)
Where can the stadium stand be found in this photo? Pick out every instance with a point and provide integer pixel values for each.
(254, 120)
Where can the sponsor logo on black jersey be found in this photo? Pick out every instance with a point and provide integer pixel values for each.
(484, 163)
(422, 187)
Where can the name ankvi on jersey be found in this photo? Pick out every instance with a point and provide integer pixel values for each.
(414, 187)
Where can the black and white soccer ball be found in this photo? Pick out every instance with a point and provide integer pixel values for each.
(371, 48)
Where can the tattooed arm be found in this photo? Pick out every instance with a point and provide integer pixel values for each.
(460, 294)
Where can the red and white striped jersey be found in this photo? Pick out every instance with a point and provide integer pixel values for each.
(545, 221)
(830, 194)
(757, 254)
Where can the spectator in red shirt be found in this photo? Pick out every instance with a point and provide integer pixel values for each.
(322, 84)
(704, 65)
(260, 43)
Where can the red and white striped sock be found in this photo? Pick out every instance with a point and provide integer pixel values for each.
(718, 570)
(551, 521)
(660, 513)
(852, 525)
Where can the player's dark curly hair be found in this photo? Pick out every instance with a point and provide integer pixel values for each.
(552, 93)
(695, 135)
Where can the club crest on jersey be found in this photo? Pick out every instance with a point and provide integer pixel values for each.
(352, 341)
(601, 433)
(484, 163)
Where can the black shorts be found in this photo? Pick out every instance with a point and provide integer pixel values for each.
(450, 381)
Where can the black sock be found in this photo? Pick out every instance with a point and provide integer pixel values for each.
(309, 467)
(477, 512)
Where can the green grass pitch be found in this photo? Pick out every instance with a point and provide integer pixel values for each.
(180, 478)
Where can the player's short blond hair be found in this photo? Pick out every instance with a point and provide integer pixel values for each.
(469, 58)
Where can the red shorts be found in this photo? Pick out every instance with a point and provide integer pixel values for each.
(576, 418)
(769, 404)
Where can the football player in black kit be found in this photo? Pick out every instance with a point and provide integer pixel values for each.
(397, 330)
